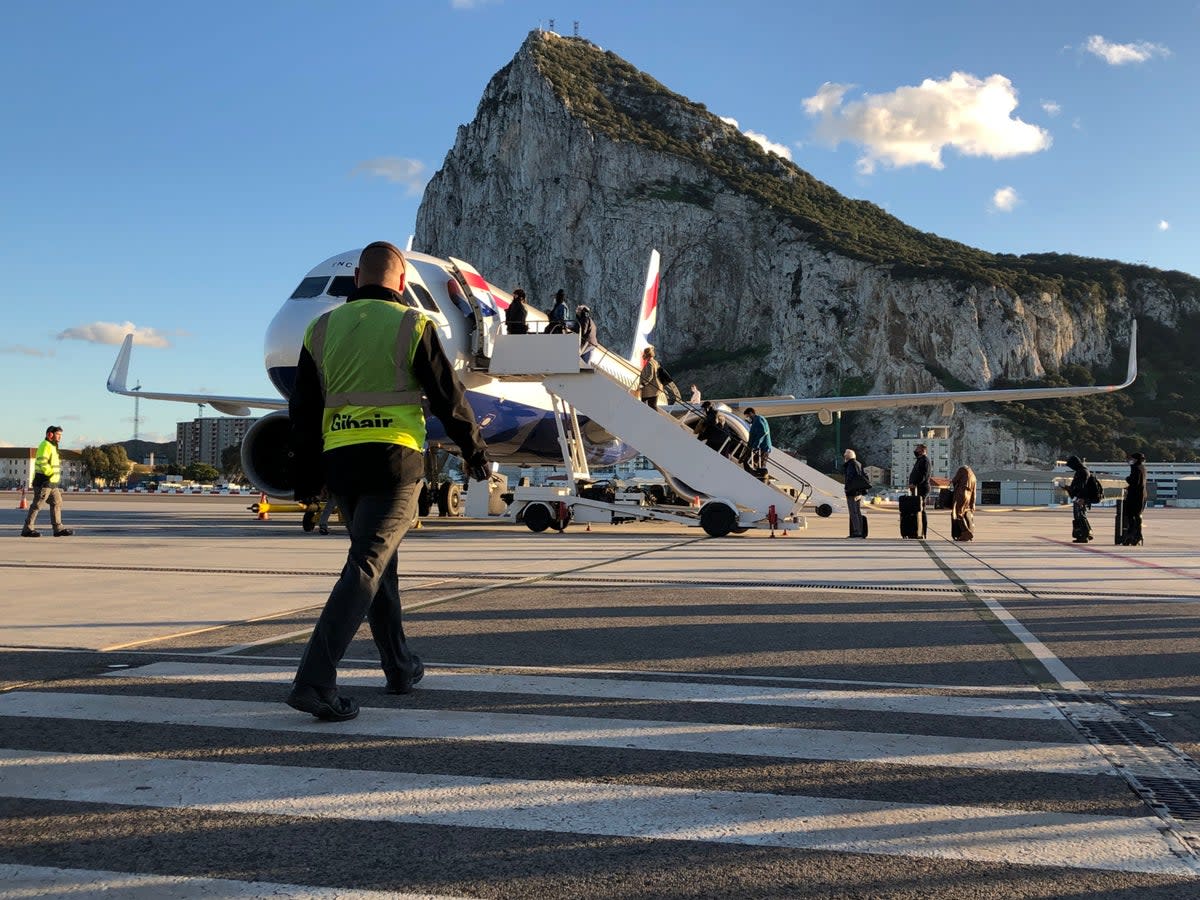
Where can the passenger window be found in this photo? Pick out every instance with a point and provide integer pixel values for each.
(310, 287)
(425, 298)
(341, 286)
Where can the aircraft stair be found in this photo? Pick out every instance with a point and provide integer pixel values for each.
(729, 497)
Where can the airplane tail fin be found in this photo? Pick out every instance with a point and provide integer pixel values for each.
(648, 313)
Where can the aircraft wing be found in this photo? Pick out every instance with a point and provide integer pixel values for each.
(826, 406)
(234, 406)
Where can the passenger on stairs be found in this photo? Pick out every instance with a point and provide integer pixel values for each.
(558, 315)
(648, 387)
(585, 325)
(516, 314)
(759, 440)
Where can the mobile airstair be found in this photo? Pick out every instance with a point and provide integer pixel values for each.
(724, 497)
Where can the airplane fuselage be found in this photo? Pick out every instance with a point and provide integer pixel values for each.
(515, 418)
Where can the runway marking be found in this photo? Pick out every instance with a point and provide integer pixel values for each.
(1145, 563)
(21, 882)
(757, 741)
(974, 833)
(443, 679)
(471, 592)
(1054, 667)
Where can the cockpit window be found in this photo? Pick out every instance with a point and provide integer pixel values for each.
(310, 287)
(422, 295)
(341, 286)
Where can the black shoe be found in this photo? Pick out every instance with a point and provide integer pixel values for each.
(324, 529)
(64, 532)
(29, 532)
(331, 708)
(404, 684)
(1080, 540)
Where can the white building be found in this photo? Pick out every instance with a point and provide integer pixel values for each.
(204, 440)
(936, 439)
(16, 467)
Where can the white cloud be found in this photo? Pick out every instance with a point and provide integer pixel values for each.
(1005, 199)
(22, 350)
(111, 333)
(469, 4)
(761, 139)
(912, 125)
(1163, 224)
(1120, 54)
(1051, 108)
(396, 169)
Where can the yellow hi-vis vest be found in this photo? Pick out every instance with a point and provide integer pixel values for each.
(47, 461)
(364, 353)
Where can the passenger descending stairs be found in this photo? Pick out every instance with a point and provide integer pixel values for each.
(602, 393)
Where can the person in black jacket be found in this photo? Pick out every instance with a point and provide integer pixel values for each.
(852, 469)
(517, 313)
(1081, 528)
(366, 444)
(1135, 499)
(918, 482)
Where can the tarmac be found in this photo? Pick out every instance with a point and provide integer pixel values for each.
(633, 710)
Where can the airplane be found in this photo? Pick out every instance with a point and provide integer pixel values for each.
(516, 418)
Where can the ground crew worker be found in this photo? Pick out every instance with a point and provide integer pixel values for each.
(47, 472)
(358, 427)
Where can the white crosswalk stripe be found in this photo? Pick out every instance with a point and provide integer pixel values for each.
(192, 696)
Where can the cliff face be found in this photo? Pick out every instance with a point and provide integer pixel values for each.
(552, 187)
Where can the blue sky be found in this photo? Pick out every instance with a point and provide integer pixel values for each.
(175, 168)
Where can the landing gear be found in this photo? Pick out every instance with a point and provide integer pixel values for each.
(538, 517)
(449, 499)
(718, 518)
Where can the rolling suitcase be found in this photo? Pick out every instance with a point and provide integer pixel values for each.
(962, 529)
(865, 525)
(911, 511)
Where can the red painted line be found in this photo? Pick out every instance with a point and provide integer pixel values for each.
(1182, 573)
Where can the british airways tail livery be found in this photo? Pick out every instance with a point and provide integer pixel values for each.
(517, 418)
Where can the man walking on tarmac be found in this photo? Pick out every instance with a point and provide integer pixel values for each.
(47, 472)
(358, 427)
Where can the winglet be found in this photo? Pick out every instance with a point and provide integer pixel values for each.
(1131, 373)
(647, 312)
(119, 375)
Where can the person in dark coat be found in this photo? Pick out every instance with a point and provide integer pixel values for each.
(851, 470)
(712, 429)
(558, 315)
(1081, 529)
(517, 313)
(918, 481)
(1135, 499)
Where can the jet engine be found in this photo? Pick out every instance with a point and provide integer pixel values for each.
(265, 456)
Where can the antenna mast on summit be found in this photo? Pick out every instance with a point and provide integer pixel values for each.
(575, 32)
(137, 418)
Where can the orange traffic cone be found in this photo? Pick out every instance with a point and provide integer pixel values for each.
(589, 528)
(263, 507)
(22, 504)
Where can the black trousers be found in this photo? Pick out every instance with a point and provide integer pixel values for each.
(368, 586)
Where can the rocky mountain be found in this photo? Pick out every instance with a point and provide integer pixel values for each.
(577, 164)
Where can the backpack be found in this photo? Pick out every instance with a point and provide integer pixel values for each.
(1093, 490)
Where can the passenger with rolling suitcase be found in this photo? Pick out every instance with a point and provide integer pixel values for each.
(857, 485)
(1129, 511)
(913, 522)
(918, 486)
(962, 505)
